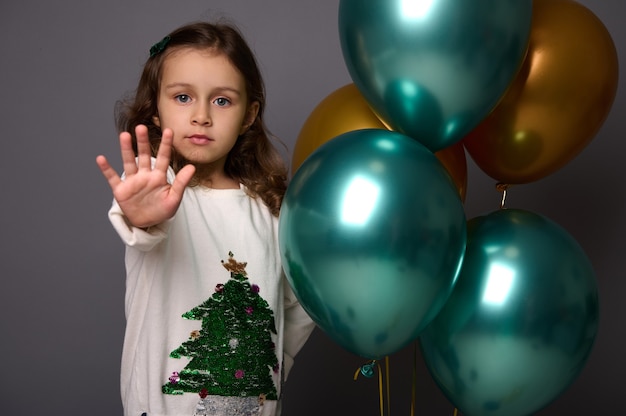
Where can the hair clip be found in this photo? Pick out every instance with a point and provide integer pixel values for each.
(158, 47)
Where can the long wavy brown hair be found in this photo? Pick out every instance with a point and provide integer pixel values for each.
(253, 161)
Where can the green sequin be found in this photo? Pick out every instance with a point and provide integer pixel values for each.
(233, 353)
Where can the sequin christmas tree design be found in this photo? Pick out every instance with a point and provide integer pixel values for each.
(233, 352)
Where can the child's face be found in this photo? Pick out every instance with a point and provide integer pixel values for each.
(203, 99)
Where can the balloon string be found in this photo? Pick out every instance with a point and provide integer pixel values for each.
(502, 187)
(388, 383)
(414, 380)
(380, 391)
(366, 370)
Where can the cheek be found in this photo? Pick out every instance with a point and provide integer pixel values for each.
(168, 119)
(228, 125)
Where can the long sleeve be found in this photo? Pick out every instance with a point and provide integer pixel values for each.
(298, 327)
(136, 237)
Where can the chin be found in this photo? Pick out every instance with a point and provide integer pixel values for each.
(199, 159)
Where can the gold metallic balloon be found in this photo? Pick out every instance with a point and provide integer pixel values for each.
(557, 102)
(346, 110)
(453, 159)
(342, 111)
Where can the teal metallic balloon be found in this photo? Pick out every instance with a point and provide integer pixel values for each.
(521, 320)
(372, 232)
(434, 69)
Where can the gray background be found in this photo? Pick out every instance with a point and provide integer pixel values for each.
(63, 64)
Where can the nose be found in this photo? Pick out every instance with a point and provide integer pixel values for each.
(201, 116)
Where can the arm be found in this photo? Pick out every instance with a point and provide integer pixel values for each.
(298, 327)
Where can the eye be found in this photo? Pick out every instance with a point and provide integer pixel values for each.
(182, 98)
(221, 102)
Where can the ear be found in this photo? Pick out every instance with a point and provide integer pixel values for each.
(251, 113)
(156, 120)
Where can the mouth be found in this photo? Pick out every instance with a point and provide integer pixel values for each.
(199, 139)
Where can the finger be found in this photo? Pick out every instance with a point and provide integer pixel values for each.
(108, 172)
(143, 147)
(182, 179)
(128, 154)
(165, 150)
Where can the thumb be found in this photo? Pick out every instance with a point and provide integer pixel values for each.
(182, 179)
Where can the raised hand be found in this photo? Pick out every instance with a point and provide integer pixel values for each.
(145, 196)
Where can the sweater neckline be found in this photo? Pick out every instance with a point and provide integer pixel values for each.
(220, 192)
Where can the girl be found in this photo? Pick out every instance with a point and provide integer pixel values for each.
(212, 325)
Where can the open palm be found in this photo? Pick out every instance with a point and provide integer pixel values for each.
(144, 195)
